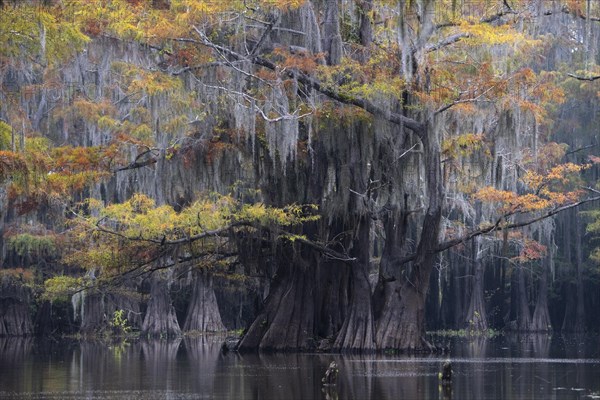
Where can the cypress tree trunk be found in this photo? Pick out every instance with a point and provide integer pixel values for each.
(523, 314)
(365, 32)
(477, 315)
(93, 314)
(203, 311)
(333, 301)
(390, 282)
(160, 319)
(402, 323)
(332, 39)
(574, 320)
(286, 321)
(580, 311)
(15, 319)
(476, 318)
(357, 332)
(541, 315)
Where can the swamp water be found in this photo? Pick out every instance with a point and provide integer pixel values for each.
(506, 367)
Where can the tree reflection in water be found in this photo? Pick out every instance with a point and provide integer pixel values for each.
(511, 367)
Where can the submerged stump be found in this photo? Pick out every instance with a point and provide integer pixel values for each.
(331, 375)
(446, 377)
(446, 373)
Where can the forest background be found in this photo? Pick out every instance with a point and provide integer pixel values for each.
(333, 175)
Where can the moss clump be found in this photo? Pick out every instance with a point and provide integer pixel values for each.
(26, 244)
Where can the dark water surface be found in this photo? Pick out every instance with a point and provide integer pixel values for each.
(507, 367)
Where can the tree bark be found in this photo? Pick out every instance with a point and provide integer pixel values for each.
(96, 310)
(402, 324)
(541, 315)
(523, 313)
(93, 314)
(477, 316)
(286, 321)
(365, 7)
(580, 311)
(160, 319)
(203, 313)
(15, 319)
(333, 297)
(332, 39)
(574, 319)
(357, 332)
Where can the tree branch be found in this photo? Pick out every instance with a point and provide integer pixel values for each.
(396, 118)
(566, 10)
(584, 78)
(499, 227)
(182, 240)
(139, 164)
(446, 41)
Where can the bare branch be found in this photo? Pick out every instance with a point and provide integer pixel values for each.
(271, 23)
(446, 42)
(326, 250)
(589, 146)
(566, 10)
(471, 100)
(499, 227)
(139, 164)
(584, 78)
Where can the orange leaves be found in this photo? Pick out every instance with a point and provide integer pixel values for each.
(490, 194)
(11, 164)
(530, 251)
(77, 159)
(562, 172)
(556, 178)
(302, 61)
(544, 191)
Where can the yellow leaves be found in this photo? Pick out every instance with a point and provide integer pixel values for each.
(120, 236)
(76, 159)
(284, 4)
(5, 136)
(31, 32)
(287, 216)
(32, 245)
(490, 34)
(463, 145)
(92, 111)
(561, 173)
(19, 274)
(510, 202)
(378, 79)
(138, 80)
(61, 287)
